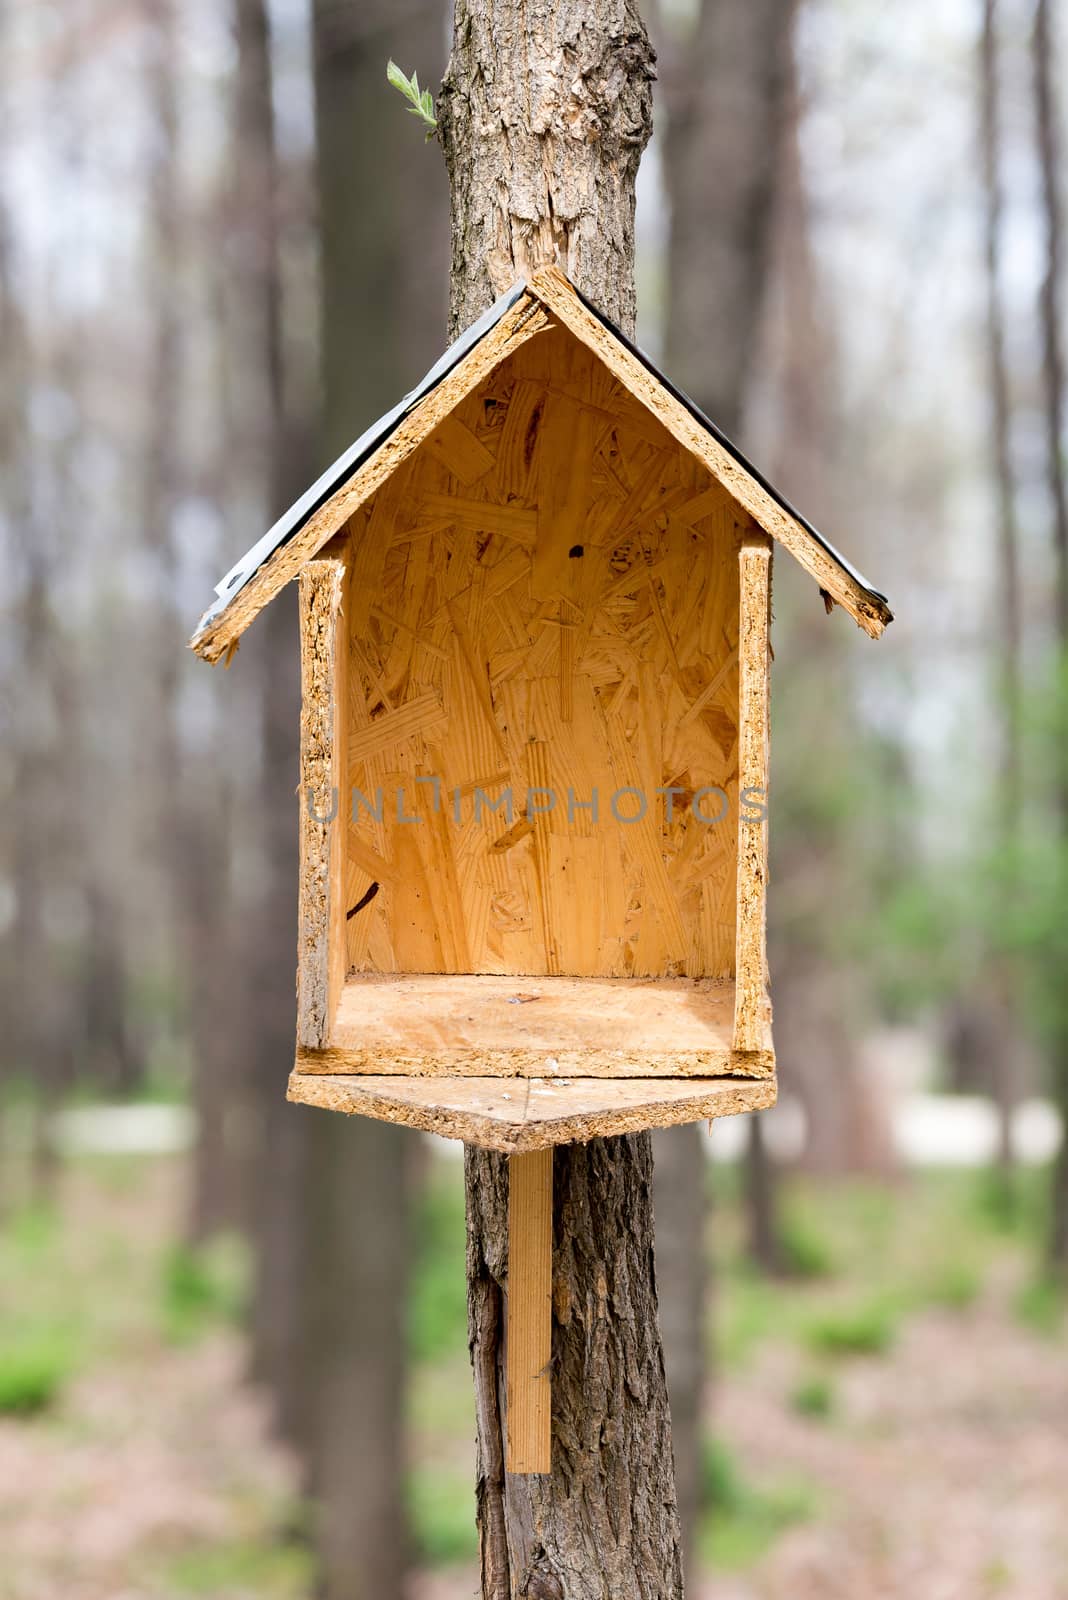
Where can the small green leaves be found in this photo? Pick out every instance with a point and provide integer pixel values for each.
(420, 101)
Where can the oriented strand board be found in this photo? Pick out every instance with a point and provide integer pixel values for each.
(543, 731)
(751, 1003)
(869, 611)
(511, 1115)
(323, 677)
(557, 1027)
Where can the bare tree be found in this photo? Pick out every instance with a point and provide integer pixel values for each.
(1053, 375)
(383, 231)
(268, 447)
(727, 84)
(726, 76)
(996, 1038)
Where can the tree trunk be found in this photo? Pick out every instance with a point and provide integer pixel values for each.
(728, 88)
(383, 230)
(682, 1205)
(1043, 55)
(267, 451)
(544, 114)
(999, 986)
(725, 80)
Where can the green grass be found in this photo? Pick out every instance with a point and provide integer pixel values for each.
(1006, 1206)
(954, 1285)
(32, 1231)
(441, 1502)
(33, 1371)
(1040, 1306)
(806, 1250)
(866, 1329)
(203, 1288)
(813, 1396)
(437, 1310)
(742, 1520)
(279, 1571)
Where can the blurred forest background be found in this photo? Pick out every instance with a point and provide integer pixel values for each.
(232, 1342)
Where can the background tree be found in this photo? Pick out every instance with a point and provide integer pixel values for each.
(1051, 309)
(382, 221)
(725, 81)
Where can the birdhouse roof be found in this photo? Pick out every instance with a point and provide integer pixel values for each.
(547, 298)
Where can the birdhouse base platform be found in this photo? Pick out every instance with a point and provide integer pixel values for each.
(465, 1025)
(522, 1063)
(516, 1114)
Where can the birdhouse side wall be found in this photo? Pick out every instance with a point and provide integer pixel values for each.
(321, 956)
(751, 1010)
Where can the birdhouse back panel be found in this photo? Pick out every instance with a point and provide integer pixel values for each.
(542, 763)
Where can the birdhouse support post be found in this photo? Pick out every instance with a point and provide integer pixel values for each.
(323, 810)
(529, 1330)
(754, 614)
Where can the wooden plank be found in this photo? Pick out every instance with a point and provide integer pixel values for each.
(870, 613)
(530, 1323)
(751, 963)
(522, 322)
(321, 935)
(517, 1116)
(467, 1025)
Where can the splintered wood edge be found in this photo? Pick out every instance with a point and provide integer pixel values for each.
(754, 611)
(321, 918)
(521, 322)
(867, 610)
(370, 1097)
(479, 1061)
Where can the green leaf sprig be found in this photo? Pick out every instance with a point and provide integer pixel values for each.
(420, 101)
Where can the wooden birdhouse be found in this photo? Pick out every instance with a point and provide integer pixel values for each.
(534, 606)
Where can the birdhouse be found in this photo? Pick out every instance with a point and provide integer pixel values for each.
(534, 612)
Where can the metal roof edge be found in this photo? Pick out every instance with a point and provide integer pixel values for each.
(328, 482)
(732, 449)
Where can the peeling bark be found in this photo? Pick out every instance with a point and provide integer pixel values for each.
(545, 111)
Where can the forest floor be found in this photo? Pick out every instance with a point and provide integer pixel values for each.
(891, 1421)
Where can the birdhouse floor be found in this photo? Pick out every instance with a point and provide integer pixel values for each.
(464, 1025)
(514, 1115)
(523, 1063)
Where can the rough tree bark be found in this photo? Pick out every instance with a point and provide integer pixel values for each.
(545, 111)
